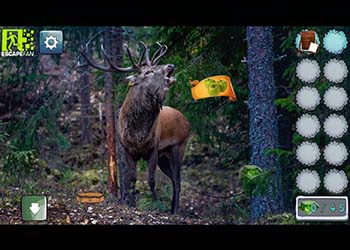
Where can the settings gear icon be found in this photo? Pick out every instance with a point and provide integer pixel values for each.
(51, 42)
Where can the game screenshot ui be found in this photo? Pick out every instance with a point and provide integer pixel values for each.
(180, 125)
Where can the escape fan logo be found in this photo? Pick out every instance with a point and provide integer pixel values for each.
(17, 42)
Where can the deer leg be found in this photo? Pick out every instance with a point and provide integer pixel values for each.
(170, 164)
(152, 165)
(176, 179)
(176, 163)
(165, 164)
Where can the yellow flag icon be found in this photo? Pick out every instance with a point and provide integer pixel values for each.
(213, 86)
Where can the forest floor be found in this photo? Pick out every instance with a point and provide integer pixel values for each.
(205, 198)
(209, 196)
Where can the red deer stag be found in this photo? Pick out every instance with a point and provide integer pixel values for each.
(147, 129)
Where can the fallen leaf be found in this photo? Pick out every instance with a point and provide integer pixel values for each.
(68, 219)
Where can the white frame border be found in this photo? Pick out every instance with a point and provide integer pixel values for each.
(322, 218)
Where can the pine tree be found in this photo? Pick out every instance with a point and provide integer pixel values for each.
(263, 131)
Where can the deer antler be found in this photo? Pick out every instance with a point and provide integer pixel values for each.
(142, 57)
(161, 51)
(130, 56)
(115, 67)
(111, 66)
(157, 52)
(146, 49)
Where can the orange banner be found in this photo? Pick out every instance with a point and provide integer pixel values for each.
(213, 86)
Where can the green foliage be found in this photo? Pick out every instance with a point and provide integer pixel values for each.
(3, 139)
(162, 204)
(31, 187)
(279, 219)
(90, 177)
(283, 156)
(34, 108)
(297, 138)
(286, 103)
(347, 169)
(142, 165)
(215, 112)
(18, 162)
(254, 180)
(14, 161)
(40, 124)
(68, 176)
(279, 153)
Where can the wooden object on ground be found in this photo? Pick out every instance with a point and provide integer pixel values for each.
(90, 197)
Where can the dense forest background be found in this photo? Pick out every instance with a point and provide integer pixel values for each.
(53, 133)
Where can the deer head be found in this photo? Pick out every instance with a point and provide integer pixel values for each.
(149, 75)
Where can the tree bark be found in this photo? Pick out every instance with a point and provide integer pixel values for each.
(84, 92)
(110, 122)
(263, 130)
(127, 190)
(85, 105)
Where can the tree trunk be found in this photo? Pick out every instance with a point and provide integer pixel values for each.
(85, 105)
(263, 130)
(110, 122)
(127, 191)
(84, 92)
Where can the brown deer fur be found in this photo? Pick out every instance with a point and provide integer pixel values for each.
(153, 132)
